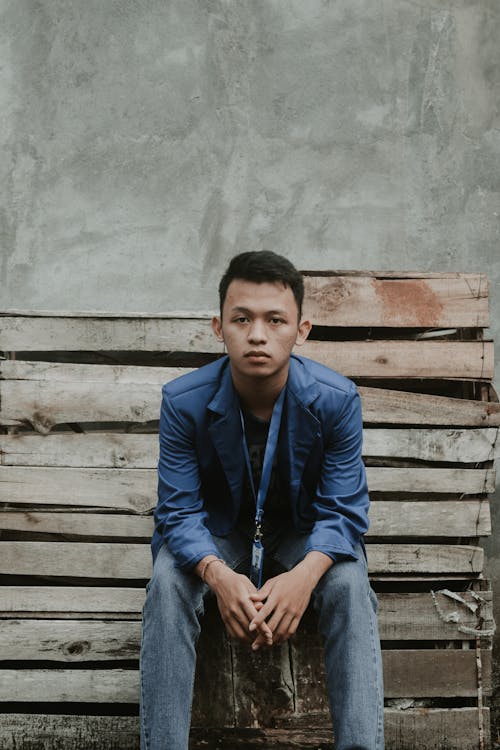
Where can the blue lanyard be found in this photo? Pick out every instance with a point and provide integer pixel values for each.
(271, 445)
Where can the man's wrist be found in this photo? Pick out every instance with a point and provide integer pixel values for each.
(204, 566)
(316, 564)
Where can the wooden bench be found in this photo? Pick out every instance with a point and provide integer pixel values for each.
(79, 404)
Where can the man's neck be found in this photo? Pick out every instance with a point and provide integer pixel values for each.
(259, 395)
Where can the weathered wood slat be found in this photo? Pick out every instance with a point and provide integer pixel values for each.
(427, 680)
(349, 301)
(112, 333)
(409, 616)
(401, 617)
(77, 397)
(136, 489)
(412, 729)
(460, 445)
(70, 601)
(453, 360)
(133, 561)
(387, 518)
(382, 406)
(127, 489)
(69, 640)
(412, 673)
(114, 449)
(463, 518)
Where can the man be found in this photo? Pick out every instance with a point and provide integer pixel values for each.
(262, 500)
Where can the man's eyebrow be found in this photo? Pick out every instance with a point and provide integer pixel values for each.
(268, 312)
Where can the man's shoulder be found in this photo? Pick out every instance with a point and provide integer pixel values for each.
(204, 379)
(325, 377)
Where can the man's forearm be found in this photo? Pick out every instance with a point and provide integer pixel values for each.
(315, 564)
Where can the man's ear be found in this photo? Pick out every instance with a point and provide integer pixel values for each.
(217, 328)
(303, 332)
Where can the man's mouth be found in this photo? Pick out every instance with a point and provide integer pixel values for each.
(257, 355)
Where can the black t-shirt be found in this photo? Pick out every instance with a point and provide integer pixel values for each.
(277, 511)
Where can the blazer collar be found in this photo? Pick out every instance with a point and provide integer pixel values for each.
(300, 429)
(300, 384)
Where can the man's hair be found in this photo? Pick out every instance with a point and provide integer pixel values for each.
(262, 266)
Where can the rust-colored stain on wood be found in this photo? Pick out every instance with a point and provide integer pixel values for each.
(396, 295)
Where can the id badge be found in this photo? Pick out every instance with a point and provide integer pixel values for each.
(257, 563)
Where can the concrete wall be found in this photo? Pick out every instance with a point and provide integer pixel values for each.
(144, 142)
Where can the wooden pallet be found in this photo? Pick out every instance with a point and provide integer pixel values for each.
(79, 404)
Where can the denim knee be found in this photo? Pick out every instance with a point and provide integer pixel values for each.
(171, 587)
(345, 586)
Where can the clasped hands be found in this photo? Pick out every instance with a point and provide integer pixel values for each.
(270, 615)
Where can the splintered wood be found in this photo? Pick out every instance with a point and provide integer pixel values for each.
(79, 406)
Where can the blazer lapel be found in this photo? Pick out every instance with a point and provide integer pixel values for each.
(303, 428)
(225, 433)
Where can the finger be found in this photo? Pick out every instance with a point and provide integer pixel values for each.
(264, 592)
(261, 642)
(286, 628)
(262, 615)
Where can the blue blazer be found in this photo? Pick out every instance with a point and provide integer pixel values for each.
(201, 468)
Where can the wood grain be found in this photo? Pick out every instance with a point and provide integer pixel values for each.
(408, 673)
(81, 399)
(136, 489)
(412, 729)
(420, 518)
(140, 451)
(133, 561)
(402, 616)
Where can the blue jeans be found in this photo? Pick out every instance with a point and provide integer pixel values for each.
(347, 609)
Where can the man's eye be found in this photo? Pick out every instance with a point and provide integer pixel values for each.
(277, 321)
(241, 319)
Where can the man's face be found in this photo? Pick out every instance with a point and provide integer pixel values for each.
(260, 327)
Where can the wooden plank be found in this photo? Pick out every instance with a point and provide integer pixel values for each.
(465, 481)
(453, 360)
(408, 616)
(112, 333)
(92, 449)
(70, 685)
(70, 601)
(411, 729)
(434, 673)
(463, 518)
(425, 558)
(407, 673)
(460, 445)
(93, 560)
(432, 728)
(46, 394)
(69, 640)
(402, 616)
(348, 301)
(438, 617)
(136, 489)
(381, 406)
(133, 561)
(421, 518)
(115, 449)
(122, 489)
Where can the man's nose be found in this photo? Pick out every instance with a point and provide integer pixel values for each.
(257, 332)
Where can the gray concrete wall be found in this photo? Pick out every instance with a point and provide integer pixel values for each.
(146, 141)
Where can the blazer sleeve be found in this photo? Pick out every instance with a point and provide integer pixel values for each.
(179, 514)
(342, 502)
